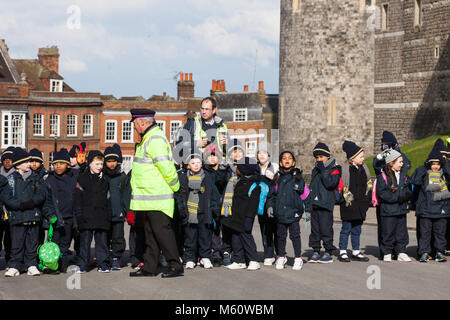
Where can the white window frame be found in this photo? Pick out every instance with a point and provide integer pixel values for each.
(114, 140)
(162, 125)
(41, 125)
(51, 155)
(173, 133)
(247, 148)
(235, 111)
(58, 124)
(127, 163)
(9, 130)
(89, 125)
(75, 125)
(56, 85)
(125, 123)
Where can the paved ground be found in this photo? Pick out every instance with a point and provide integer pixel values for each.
(338, 280)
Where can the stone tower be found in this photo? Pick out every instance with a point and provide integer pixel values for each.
(326, 77)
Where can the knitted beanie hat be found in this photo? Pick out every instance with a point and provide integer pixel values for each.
(321, 149)
(36, 155)
(7, 154)
(113, 153)
(351, 149)
(62, 156)
(20, 156)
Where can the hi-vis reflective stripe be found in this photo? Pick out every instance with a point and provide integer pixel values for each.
(151, 197)
(148, 160)
(174, 182)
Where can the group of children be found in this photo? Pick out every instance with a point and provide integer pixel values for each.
(87, 195)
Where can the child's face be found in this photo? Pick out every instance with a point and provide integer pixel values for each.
(34, 165)
(60, 168)
(237, 155)
(96, 166)
(398, 164)
(322, 158)
(23, 167)
(111, 164)
(212, 159)
(7, 163)
(263, 157)
(73, 162)
(287, 161)
(195, 165)
(359, 159)
(435, 166)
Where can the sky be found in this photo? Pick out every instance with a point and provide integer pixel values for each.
(138, 47)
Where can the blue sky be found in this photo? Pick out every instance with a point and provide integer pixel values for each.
(137, 47)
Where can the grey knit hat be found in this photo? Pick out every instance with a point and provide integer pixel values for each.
(391, 155)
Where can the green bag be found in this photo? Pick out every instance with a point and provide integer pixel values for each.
(49, 253)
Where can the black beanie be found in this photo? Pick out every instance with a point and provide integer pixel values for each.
(321, 149)
(20, 156)
(62, 156)
(113, 153)
(388, 138)
(36, 155)
(7, 154)
(248, 166)
(351, 149)
(92, 154)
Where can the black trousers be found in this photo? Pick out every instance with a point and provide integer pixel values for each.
(244, 246)
(5, 239)
(63, 237)
(447, 235)
(268, 227)
(321, 230)
(197, 241)
(136, 243)
(216, 241)
(116, 239)
(432, 229)
(394, 236)
(294, 235)
(159, 236)
(24, 245)
(101, 247)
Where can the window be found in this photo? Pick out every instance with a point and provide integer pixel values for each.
(38, 124)
(127, 163)
(368, 3)
(296, 5)
(56, 85)
(88, 124)
(418, 13)
(332, 102)
(127, 131)
(71, 125)
(54, 125)
(384, 17)
(13, 129)
(50, 160)
(174, 127)
(239, 115)
(162, 125)
(111, 131)
(12, 91)
(251, 148)
(437, 52)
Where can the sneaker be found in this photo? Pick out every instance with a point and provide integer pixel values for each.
(403, 257)
(269, 261)
(315, 257)
(217, 262)
(115, 264)
(343, 257)
(360, 257)
(236, 266)
(298, 264)
(139, 266)
(226, 259)
(326, 258)
(253, 265)
(387, 258)
(281, 261)
(33, 271)
(81, 270)
(206, 263)
(104, 269)
(440, 257)
(425, 257)
(12, 272)
(190, 265)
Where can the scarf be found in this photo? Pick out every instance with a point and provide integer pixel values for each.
(228, 197)
(437, 185)
(195, 187)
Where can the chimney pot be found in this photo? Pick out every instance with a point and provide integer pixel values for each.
(185, 77)
(261, 85)
(246, 88)
(181, 76)
(190, 76)
(164, 94)
(214, 85)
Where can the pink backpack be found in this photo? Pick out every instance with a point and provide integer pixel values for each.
(375, 200)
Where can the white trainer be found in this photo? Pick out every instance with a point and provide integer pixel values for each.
(253, 265)
(236, 266)
(269, 261)
(281, 261)
(298, 264)
(12, 272)
(403, 257)
(190, 265)
(387, 258)
(33, 271)
(206, 263)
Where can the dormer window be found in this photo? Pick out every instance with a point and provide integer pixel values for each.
(56, 85)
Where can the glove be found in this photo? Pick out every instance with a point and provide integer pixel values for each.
(270, 212)
(297, 174)
(320, 165)
(53, 220)
(131, 220)
(183, 215)
(307, 216)
(27, 205)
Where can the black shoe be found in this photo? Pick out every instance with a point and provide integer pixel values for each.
(142, 273)
(48, 271)
(172, 273)
(360, 257)
(217, 263)
(341, 258)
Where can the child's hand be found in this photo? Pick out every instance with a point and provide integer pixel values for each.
(320, 165)
(270, 212)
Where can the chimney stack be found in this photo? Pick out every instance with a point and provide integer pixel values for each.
(261, 92)
(246, 88)
(185, 86)
(49, 58)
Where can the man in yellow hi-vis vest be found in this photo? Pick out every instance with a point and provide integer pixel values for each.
(154, 180)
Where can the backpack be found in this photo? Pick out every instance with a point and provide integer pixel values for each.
(262, 195)
(49, 253)
(375, 200)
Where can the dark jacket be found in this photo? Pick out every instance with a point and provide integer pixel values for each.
(221, 176)
(323, 185)
(63, 188)
(393, 203)
(116, 181)
(26, 190)
(209, 201)
(425, 205)
(243, 206)
(284, 197)
(91, 202)
(6, 196)
(358, 187)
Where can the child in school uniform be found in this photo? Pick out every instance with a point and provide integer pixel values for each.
(392, 188)
(198, 203)
(91, 210)
(357, 186)
(432, 206)
(286, 205)
(324, 181)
